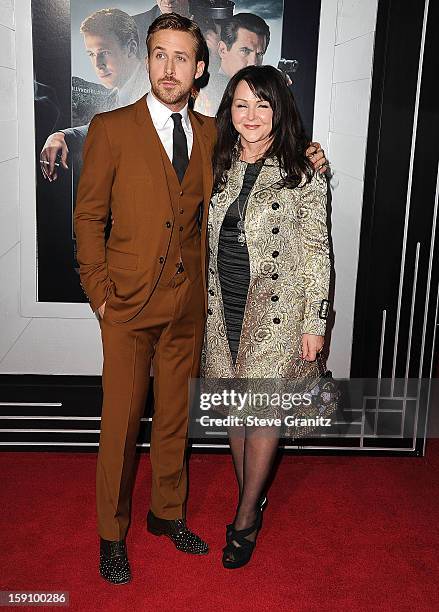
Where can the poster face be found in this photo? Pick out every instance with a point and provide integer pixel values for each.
(89, 57)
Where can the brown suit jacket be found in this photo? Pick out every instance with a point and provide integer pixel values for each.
(123, 172)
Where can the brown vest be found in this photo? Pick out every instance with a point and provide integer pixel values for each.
(186, 200)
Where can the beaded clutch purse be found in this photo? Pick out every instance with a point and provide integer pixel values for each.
(324, 395)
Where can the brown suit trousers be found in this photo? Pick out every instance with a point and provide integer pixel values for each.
(168, 333)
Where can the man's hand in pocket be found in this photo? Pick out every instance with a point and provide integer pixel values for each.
(101, 310)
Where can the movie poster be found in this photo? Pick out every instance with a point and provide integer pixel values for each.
(89, 58)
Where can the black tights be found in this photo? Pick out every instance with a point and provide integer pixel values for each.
(253, 451)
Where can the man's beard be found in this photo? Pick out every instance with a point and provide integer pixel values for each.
(170, 96)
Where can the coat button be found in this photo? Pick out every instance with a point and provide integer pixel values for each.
(209, 311)
(275, 230)
(274, 298)
(211, 292)
(181, 211)
(181, 228)
(275, 206)
(276, 320)
(275, 253)
(275, 276)
(161, 259)
(168, 224)
(181, 193)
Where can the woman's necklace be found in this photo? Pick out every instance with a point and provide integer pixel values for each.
(240, 224)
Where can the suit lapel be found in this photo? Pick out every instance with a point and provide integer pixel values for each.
(150, 150)
(205, 148)
(202, 138)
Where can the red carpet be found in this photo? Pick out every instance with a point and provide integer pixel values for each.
(339, 534)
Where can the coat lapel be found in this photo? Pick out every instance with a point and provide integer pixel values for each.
(268, 176)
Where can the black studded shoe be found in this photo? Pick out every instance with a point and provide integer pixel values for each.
(263, 501)
(113, 565)
(184, 539)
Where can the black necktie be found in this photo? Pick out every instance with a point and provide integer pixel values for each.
(180, 159)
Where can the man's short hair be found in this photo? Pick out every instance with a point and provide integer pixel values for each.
(248, 21)
(174, 21)
(113, 21)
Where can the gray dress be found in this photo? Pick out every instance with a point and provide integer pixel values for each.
(233, 263)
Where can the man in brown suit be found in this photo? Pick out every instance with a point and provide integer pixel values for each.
(149, 164)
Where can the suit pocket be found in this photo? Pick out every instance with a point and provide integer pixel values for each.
(109, 297)
(120, 259)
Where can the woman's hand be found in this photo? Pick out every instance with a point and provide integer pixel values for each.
(317, 157)
(311, 345)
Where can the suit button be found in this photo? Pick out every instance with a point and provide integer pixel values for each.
(274, 298)
(181, 228)
(161, 259)
(275, 230)
(276, 320)
(168, 224)
(275, 253)
(209, 311)
(275, 206)
(211, 292)
(275, 276)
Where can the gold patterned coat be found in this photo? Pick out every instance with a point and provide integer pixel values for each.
(287, 241)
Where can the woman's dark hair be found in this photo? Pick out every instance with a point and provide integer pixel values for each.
(289, 141)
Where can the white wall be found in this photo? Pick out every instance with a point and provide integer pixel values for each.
(350, 100)
(28, 345)
(12, 325)
(60, 345)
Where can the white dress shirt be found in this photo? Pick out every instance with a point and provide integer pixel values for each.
(164, 124)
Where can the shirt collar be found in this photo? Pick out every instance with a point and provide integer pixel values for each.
(161, 114)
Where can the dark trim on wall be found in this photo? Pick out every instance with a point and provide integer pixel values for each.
(62, 413)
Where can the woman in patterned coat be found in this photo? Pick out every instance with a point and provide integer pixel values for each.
(268, 271)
